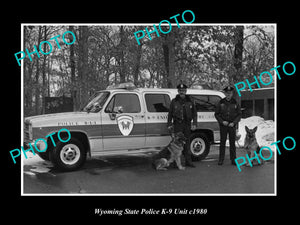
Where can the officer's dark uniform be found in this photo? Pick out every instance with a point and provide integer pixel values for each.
(182, 111)
(229, 111)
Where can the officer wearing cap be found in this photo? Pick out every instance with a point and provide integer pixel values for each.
(228, 114)
(181, 114)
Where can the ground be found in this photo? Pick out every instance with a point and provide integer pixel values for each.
(134, 175)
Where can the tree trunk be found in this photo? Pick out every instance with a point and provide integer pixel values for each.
(137, 62)
(83, 66)
(72, 65)
(37, 75)
(44, 88)
(122, 60)
(137, 65)
(169, 58)
(28, 81)
(238, 53)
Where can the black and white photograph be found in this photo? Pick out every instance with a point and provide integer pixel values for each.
(173, 112)
(148, 109)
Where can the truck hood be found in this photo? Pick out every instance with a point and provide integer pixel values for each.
(63, 119)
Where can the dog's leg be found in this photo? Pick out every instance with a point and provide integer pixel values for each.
(170, 160)
(255, 160)
(161, 168)
(178, 162)
(160, 164)
(250, 155)
(262, 161)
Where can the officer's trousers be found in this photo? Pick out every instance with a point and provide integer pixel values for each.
(185, 128)
(224, 130)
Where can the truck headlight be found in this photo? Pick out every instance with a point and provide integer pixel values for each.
(40, 145)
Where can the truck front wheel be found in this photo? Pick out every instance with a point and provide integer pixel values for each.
(68, 156)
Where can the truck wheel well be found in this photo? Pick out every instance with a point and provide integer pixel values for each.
(82, 137)
(209, 134)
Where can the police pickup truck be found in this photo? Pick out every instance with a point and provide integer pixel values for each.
(121, 120)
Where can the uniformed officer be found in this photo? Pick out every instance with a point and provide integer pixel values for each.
(228, 113)
(181, 114)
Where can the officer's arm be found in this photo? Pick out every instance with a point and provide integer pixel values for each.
(194, 111)
(239, 115)
(218, 113)
(170, 114)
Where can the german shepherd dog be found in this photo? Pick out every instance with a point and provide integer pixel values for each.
(251, 144)
(173, 151)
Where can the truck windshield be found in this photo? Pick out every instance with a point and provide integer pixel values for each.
(96, 103)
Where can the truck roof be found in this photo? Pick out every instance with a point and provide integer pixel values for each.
(125, 87)
(170, 90)
(189, 90)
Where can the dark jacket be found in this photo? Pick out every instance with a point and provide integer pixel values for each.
(229, 111)
(176, 110)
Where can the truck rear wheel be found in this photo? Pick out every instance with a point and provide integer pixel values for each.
(199, 146)
(68, 156)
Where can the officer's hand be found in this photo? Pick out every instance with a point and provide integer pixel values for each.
(193, 127)
(225, 123)
(170, 128)
(231, 124)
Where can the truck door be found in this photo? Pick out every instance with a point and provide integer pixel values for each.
(157, 107)
(123, 122)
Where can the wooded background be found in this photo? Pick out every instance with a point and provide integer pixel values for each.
(201, 56)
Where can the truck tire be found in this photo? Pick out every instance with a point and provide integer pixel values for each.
(68, 156)
(199, 146)
(44, 155)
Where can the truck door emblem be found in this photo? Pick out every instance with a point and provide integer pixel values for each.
(125, 124)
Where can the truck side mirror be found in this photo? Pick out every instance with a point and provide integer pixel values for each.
(112, 116)
(116, 110)
(97, 106)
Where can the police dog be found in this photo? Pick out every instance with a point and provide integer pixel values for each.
(251, 144)
(173, 151)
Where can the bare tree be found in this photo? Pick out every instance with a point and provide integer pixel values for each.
(83, 86)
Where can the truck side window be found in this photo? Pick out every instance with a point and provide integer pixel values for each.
(157, 102)
(205, 103)
(130, 103)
